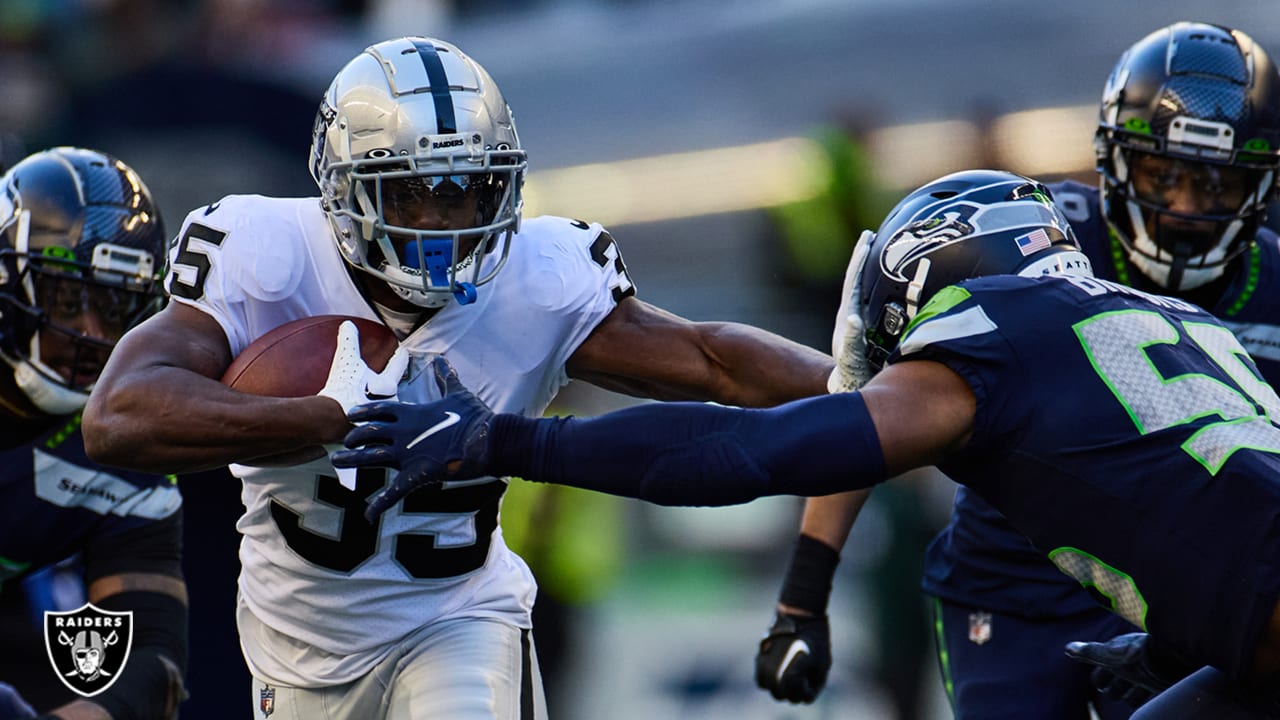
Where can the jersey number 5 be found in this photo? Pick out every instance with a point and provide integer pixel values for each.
(191, 267)
(1118, 343)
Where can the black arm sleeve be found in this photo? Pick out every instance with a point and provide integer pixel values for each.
(152, 547)
(150, 685)
(699, 454)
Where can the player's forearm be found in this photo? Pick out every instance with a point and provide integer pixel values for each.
(830, 518)
(169, 420)
(694, 454)
(823, 530)
(669, 358)
(761, 369)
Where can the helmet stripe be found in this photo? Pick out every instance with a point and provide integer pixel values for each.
(445, 122)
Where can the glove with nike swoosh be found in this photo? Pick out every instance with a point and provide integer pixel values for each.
(428, 443)
(795, 657)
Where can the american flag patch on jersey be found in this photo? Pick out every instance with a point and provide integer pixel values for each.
(1032, 242)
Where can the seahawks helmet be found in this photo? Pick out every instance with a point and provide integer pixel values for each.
(1206, 101)
(82, 250)
(964, 225)
(416, 121)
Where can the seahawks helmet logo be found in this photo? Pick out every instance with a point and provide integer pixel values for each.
(923, 237)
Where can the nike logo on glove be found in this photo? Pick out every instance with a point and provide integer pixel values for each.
(797, 647)
(450, 419)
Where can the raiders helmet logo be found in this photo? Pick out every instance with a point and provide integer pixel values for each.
(88, 647)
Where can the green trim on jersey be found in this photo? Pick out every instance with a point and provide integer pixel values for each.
(61, 436)
(944, 655)
(9, 568)
(1251, 281)
(1116, 344)
(1253, 272)
(1118, 256)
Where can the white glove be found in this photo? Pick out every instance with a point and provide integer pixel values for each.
(848, 344)
(351, 382)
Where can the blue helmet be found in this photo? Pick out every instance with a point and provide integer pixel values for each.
(82, 251)
(1204, 100)
(964, 225)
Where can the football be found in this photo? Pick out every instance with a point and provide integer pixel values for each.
(293, 360)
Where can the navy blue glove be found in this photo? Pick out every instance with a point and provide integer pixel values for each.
(12, 706)
(1128, 668)
(795, 657)
(428, 443)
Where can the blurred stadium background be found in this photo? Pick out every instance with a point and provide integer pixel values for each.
(710, 137)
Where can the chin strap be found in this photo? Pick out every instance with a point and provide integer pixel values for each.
(51, 397)
(36, 381)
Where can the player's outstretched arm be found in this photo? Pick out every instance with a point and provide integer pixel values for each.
(665, 453)
(675, 453)
(159, 406)
(644, 351)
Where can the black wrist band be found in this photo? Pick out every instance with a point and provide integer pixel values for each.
(808, 583)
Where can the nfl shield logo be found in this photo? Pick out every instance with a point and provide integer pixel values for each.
(88, 647)
(267, 700)
(979, 627)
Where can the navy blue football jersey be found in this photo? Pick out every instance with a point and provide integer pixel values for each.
(978, 559)
(55, 502)
(1129, 438)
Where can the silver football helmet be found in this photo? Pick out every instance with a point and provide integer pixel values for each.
(411, 131)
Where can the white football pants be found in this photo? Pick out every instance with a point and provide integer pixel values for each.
(463, 669)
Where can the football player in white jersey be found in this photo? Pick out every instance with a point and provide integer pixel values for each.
(424, 614)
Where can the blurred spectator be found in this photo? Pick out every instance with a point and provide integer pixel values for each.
(819, 233)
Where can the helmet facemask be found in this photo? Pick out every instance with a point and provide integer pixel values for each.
(424, 226)
(1183, 249)
(75, 312)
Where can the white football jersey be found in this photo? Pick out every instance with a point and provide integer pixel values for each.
(327, 594)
